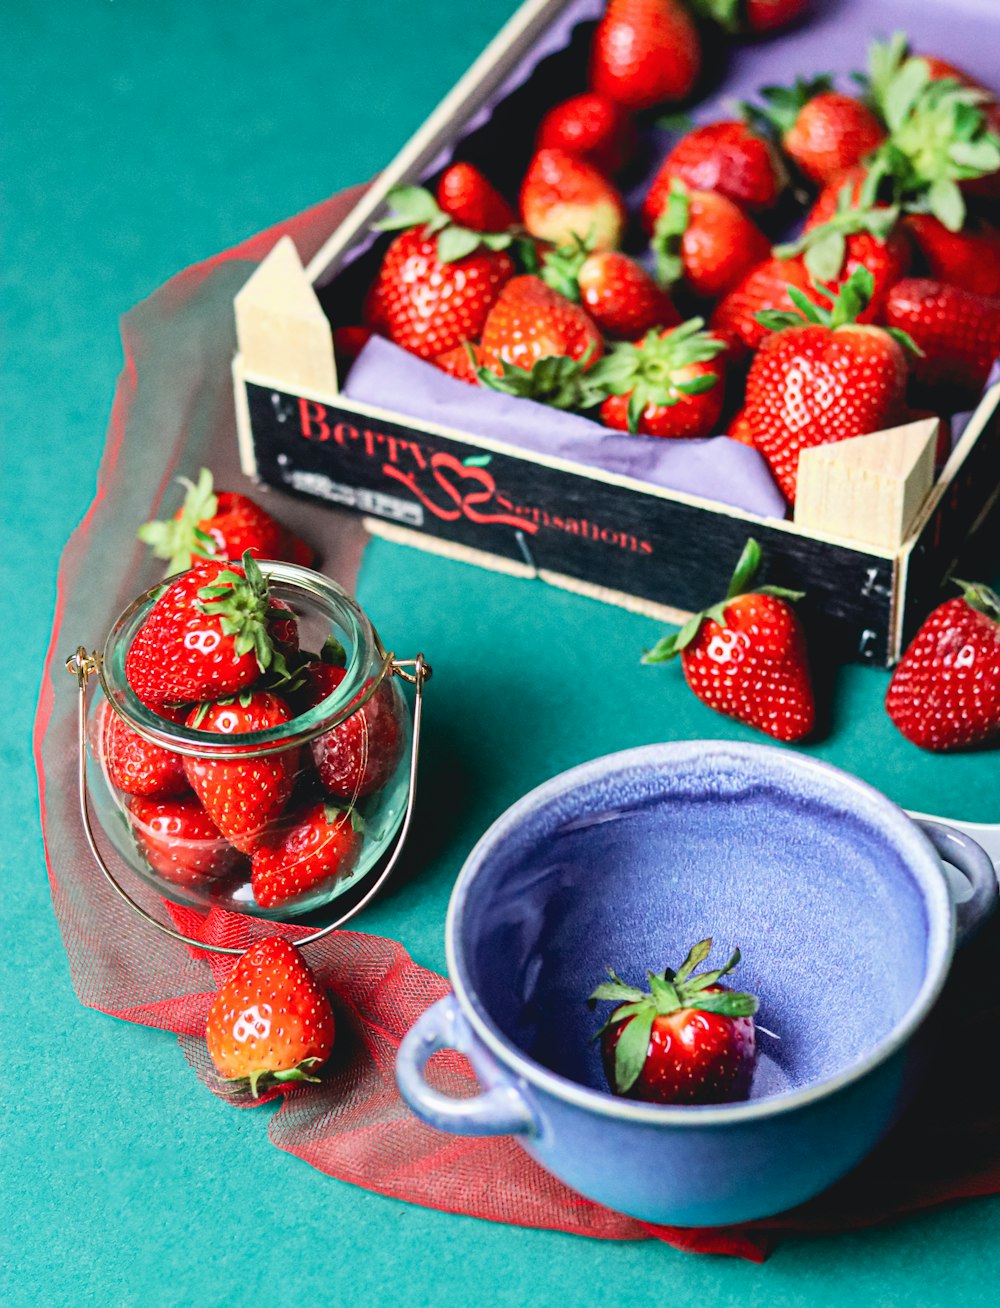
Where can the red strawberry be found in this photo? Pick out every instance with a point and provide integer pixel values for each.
(462, 361)
(705, 240)
(769, 15)
(138, 766)
(831, 199)
(945, 691)
(243, 796)
(360, 755)
(563, 197)
(746, 656)
(645, 52)
(592, 127)
(822, 130)
(221, 525)
(617, 292)
(438, 281)
(823, 377)
(470, 200)
(957, 331)
(531, 320)
(348, 342)
(739, 429)
(271, 1022)
(180, 841)
(727, 157)
(969, 258)
(766, 287)
(206, 636)
(688, 1040)
(318, 847)
(670, 384)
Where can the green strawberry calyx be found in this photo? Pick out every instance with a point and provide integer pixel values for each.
(555, 380)
(668, 235)
(263, 1078)
(668, 647)
(243, 608)
(180, 540)
(669, 992)
(415, 206)
(846, 305)
(980, 597)
(824, 247)
(560, 266)
(645, 371)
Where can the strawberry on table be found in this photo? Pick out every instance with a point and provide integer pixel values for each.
(669, 384)
(957, 332)
(223, 525)
(180, 841)
(704, 240)
(593, 127)
(687, 1040)
(243, 796)
(617, 292)
(820, 129)
(208, 635)
(471, 200)
(271, 1023)
(746, 656)
(945, 691)
(563, 196)
(138, 766)
(437, 281)
(728, 157)
(821, 376)
(645, 53)
(317, 847)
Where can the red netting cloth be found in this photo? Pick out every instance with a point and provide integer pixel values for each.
(173, 410)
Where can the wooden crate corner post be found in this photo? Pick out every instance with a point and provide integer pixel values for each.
(869, 488)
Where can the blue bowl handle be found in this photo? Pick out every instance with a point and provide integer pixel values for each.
(501, 1109)
(975, 891)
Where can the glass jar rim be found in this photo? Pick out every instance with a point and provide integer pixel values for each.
(367, 665)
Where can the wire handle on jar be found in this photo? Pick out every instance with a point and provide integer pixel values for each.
(416, 671)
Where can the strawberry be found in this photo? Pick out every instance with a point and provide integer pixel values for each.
(751, 17)
(823, 377)
(591, 126)
(319, 846)
(945, 691)
(957, 332)
(736, 318)
(135, 765)
(180, 841)
(746, 656)
(538, 344)
(617, 292)
(349, 341)
(242, 796)
(437, 281)
(669, 384)
(207, 636)
(462, 361)
(466, 196)
(706, 240)
(688, 1040)
(215, 524)
(728, 157)
(563, 196)
(271, 1022)
(739, 429)
(820, 129)
(358, 756)
(831, 199)
(645, 52)
(969, 258)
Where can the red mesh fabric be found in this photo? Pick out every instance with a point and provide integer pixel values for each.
(173, 410)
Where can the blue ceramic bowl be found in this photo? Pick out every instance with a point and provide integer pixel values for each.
(847, 924)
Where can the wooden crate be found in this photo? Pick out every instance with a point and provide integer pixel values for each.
(874, 536)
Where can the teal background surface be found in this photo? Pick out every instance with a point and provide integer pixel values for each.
(139, 138)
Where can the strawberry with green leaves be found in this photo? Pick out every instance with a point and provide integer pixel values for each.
(737, 318)
(821, 130)
(591, 126)
(728, 157)
(179, 841)
(437, 281)
(215, 524)
(207, 636)
(687, 1040)
(271, 1023)
(670, 384)
(317, 847)
(705, 241)
(945, 691)
(617, 292)
(562, 197)
(822, 376)
(745, 657)
(645, 53)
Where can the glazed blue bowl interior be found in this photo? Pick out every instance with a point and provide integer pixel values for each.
(631, 867)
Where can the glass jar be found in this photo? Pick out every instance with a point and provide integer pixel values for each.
(275, 821)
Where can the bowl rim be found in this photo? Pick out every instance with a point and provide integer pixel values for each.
(919, 854)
